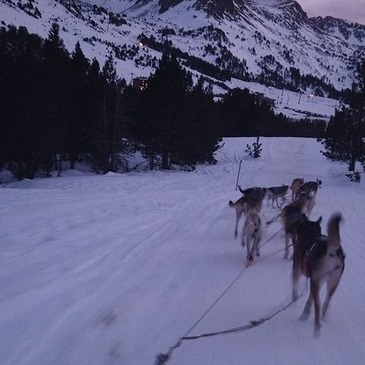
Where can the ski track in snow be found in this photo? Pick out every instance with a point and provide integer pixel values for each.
(114, 269)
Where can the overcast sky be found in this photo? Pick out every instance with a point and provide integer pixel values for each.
(353, 10)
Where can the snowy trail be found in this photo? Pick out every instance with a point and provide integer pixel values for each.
(114, 269)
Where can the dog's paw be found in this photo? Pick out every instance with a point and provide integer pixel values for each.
(317, 329)
(249, 260)
(304, 316)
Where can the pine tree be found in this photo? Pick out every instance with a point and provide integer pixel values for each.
(162, 110)
(344, 135)
(78, 105)
(201, 132)
(94, 115)
(344, 138)
(55, 80)
(254, 150)
(106, 128)
(20, 100)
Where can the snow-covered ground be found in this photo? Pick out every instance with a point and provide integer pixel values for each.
(115, 269)
(292, 104)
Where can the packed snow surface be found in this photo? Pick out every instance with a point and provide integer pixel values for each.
(116, 268)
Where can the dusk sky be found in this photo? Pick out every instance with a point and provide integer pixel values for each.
(352, 10)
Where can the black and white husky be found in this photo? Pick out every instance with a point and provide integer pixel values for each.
(322, 260)
(251, 236)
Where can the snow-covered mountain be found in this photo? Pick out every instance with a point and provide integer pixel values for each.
(266, 41)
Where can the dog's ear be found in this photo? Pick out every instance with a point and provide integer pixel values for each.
(319, 220)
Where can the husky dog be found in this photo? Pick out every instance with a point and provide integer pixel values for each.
(309, 187)
(275, 193)
(244, 205)
(311, 201)
(250, 201)
(308, 233)
(255, 191)
(295, 185)
(251, 236)
(322, 260)
(292, 215)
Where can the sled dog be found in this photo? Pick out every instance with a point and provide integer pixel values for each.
(275, 193)
(256, 192)
(291, 216)
(295, 185)
(244, 205)
(251, 236)
(310, 187)
(250, 201)
(322, 260)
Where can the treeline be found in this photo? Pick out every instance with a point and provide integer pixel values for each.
(59, 108)
(55, 107)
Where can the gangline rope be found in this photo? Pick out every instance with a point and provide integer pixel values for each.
(162, 358)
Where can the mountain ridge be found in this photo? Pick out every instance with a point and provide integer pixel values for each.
(265, 41)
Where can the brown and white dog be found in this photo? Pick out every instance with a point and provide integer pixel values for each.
(322, 260)
(251, 236)
(310, 187)
(295, 185)
(250, 201)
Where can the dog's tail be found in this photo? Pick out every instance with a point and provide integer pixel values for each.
(333, 229)
(241, 190)
(231, 204)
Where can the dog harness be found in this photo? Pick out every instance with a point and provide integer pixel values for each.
(309, 252)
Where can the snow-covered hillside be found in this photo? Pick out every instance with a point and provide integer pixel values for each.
(264, 37)
(114, 269)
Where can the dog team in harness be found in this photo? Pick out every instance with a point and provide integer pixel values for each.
(316, 256)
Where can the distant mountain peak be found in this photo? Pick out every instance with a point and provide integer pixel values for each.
(351, 32)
